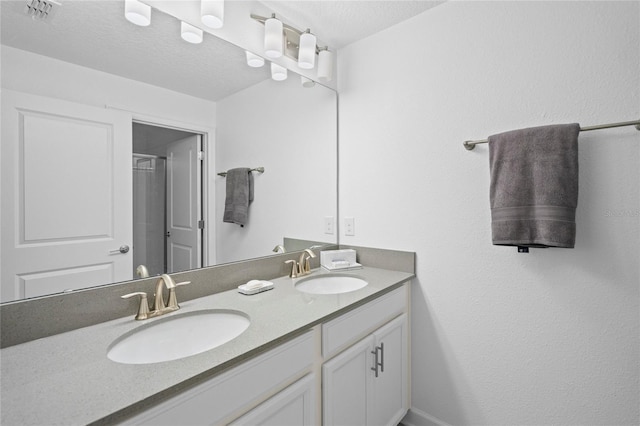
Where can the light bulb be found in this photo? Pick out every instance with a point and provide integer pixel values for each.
(307, 51)
(137, 13)
(273, 37)
(325, 65)
(212, 13)
(190, 33)
(307, 82)
(254, 60)
(278, 73)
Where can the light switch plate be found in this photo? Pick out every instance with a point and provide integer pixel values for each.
(349, 226)
(329, 225)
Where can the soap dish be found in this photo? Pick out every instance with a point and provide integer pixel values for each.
(255, 286)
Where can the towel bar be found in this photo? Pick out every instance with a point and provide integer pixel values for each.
(257, 169)
(469, 145)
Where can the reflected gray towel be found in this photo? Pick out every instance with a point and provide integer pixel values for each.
(239, 196)
(534, 186)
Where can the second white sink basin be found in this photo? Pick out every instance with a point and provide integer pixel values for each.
(178, 336)
(330, 284)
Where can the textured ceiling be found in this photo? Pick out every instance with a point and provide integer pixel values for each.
(95, 34)
(340, 23)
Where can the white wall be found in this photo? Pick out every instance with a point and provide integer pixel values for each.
(501, 338)
(40, 75)
(291, 132)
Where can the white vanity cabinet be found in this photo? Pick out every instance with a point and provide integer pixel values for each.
(367, 384)
(357, 361)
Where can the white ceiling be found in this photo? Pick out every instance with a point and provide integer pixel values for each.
(94, 33)
(341, 23)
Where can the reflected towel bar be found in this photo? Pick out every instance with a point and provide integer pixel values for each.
(469, 145)
(257, 169)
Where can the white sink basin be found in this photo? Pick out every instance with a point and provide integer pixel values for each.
(178, 336)
(330, 284)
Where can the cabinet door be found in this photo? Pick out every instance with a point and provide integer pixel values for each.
(294, 406)
(345, 383)
(389, 390)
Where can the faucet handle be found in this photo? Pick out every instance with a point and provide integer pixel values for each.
(306, 269)
(143, 308)
(172, 303)
(294, 268)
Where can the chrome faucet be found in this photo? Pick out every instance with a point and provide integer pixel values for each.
(302, 266)
(159, 306)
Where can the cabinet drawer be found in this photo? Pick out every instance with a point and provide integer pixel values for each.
(293, 406)
(343, 331)
(212, 401)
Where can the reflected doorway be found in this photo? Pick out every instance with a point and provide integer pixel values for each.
(167, 200)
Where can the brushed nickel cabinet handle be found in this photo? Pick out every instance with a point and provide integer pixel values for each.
(375, 362)
(379, 359)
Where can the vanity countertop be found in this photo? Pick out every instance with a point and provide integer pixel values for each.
(68, 379)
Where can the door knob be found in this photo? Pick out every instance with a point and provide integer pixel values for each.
(123, 249)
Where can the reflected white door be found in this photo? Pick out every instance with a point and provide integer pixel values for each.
(66, 196)
(184, 237)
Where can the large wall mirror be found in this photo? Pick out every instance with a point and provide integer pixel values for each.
(82, 160)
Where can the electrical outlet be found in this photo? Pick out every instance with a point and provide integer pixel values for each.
(349, 226)
(329, 225)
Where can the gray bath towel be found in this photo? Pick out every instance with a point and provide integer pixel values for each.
(239, 196)
(534, 186)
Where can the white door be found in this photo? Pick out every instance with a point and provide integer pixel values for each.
(66, 196)
(183, 205)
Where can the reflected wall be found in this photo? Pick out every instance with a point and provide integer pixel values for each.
(291, 131)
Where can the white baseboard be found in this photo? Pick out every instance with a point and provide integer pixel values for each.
(417, 417)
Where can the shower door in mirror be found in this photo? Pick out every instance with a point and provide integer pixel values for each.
(66, 196)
